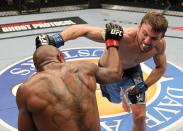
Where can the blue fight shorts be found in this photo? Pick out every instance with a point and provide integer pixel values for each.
(113, 91)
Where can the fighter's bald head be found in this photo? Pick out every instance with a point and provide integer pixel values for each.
(46, 54)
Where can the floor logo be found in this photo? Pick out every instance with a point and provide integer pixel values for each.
(164, 100)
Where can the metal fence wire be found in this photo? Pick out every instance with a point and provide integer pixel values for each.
(20, 7)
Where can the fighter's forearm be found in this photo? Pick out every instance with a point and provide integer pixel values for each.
(154, 76)
(76, 31)
(114, 63)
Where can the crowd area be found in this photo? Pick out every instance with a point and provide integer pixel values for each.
(6, 5)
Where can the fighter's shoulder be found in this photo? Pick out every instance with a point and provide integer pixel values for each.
(36, 78)
(85, 66)
(161, 46)
(129, 33)
(23, 90)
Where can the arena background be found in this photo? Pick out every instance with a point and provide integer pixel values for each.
(17, 44)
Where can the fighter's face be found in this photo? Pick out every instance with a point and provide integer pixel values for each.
(147, 37)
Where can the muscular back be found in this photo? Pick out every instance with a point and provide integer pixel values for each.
(62, 99)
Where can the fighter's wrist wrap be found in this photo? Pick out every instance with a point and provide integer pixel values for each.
(142, 87)
(146, 87)
(112, 43)
(54, 39)
(57, 40)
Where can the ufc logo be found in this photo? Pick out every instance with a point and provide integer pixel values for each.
(116, 32)
(43, 39)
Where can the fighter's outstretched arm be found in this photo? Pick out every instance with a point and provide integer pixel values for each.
(80, 30)
(71, 33)
(97, 34)
(113, 69)
(158, 71)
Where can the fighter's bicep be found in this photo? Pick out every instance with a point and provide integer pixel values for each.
(107, 75)
(25, 122)
(160, 60)
(91, 69)
(96, 34)
(160, 57)
(21, 96)
(102, 75)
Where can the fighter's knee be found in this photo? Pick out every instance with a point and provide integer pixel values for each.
(138, 112)
(138, 118)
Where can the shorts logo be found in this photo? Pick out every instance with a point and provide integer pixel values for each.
(164, 108)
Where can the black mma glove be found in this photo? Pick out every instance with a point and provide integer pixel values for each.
(55, 40)
(140, 85)
(113, 34)
(139, 88)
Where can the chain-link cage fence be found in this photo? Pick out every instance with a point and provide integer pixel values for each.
(18, 7)
(166, 7)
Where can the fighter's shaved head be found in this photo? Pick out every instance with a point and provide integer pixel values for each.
(46, 54)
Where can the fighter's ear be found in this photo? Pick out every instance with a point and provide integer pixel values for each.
(140, 25)
(60, 57)
(163, 35)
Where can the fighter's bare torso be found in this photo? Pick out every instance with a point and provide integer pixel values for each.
(130, 52)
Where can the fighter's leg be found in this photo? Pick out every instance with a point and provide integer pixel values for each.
(138, 101)
(138, 115)
(126, 83)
